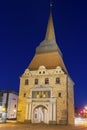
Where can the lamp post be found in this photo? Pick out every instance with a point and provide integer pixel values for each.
(3, 109)
(4, 115)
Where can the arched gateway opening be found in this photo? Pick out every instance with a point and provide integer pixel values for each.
(40, 114)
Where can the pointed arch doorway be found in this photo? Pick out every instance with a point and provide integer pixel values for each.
(40, 114)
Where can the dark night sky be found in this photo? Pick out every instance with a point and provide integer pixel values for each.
(23, 26)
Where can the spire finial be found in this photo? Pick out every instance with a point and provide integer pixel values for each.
(51, 4)
(50, 33)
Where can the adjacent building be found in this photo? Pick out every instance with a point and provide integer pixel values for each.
(8, 104)
(46, 89)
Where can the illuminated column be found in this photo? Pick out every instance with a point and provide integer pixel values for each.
(50, 111)
(29, 117)
(27, 109)
(54, 111)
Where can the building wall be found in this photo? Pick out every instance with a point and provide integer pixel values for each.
(51, 74)
(2, 107)
(71, 114)
(62, 103)
(12, 106)
(9, 104)
(4, 99)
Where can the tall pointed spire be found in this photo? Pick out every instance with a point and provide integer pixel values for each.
(48, 53)
(49, 43)
(50, 33)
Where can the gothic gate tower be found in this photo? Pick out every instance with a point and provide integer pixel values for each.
(46, 89)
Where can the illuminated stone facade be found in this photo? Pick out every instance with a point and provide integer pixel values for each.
(46, 89)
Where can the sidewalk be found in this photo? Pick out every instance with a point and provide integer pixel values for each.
(13, 125)
(26, 126)
(11, 121)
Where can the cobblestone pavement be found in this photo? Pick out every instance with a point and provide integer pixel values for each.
(17, 126)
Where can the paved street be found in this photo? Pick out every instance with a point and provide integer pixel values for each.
(16, 126)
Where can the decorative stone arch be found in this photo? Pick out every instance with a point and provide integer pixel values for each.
(44, 105)
(40, 114)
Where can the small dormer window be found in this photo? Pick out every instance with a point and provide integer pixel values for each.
(43, 72)
(39, 72)
(26, 82)
(60, 71)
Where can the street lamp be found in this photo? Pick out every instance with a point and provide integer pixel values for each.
(4, 115)
(14, 110)
(3, 109)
